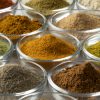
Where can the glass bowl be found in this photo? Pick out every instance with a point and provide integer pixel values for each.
(48, 96)
(29, 13)
(48, 64)
(80, 96)
(10, 7)
(4, 58)
(88, 42)
(71, 2)
(81, 6)
(37, 89)
(81, 35)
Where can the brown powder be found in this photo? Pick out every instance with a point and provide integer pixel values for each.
(83, 78)
(79, 21)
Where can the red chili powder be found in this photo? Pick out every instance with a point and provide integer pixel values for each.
(5, 3)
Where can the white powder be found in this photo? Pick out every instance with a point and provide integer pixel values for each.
(92, 4)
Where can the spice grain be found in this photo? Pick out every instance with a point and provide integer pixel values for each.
(45, 6)
(82, 78)
(48, 47)
(79, 21)
(15, 78)
(94, 49)
(17, 25)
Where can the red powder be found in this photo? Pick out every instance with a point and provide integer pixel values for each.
(5, 3)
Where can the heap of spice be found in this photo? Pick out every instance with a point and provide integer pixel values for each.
(94, 49)
(17, 25)
(79, 21)
(15, 78)
(48, 47)
(46, 6)
(82, 78)
(4, 47)
(5, 3)
(91, 4)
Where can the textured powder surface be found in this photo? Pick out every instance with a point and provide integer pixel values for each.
(79, 21)
(48, 47)
(18, 25)
(45, 6)
(14, 79)
(82, 78)
(92, 4)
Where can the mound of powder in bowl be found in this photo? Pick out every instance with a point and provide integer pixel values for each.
(79, 21)
(48, 47)
(15, 78)
(82, 78)
(91, 4)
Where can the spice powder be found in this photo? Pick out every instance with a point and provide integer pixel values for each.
(48, 47)
(82, 78)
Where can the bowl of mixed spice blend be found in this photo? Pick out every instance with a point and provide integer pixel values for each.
(49, 48)
(18, 23)
(80, 79)
(81, 23)
(88, 4)
(6, 48)
(7, 5)
(47, 7)
(21, 78)
(91, 47)
(48, 96)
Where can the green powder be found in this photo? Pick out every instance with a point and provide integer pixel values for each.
(46, 6)
(95, 49)
(3, 47)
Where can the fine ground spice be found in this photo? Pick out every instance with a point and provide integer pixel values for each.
(83, 78)
(48, 47)
(45, 6)
(15, 78)
(79, 21)
(94, 49)
(17, 25)
(92, 4)
(5, 3)
(4, 47)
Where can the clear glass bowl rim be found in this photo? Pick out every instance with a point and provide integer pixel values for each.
(50, 20)
(41, 85)
(55, 60)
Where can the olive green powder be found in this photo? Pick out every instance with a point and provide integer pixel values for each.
(3, 47)
(45, 6)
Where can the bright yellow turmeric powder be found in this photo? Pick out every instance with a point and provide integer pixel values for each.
(48, 47)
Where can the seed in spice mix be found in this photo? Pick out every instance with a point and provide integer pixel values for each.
(94, 49)
(17, 25)
(15, 78)
(92, 4)
(5, 3)
(82, 78)
(45, 6)
(48, 47)
(79, 21)
(4, 47)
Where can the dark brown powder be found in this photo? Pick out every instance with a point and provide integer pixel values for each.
(83, 78)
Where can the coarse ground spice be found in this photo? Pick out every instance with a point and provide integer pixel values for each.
(83, 78)
(79, 21)
(92, 4)
(45, 6)
(94, 49)
(5, 3)
(4, 47)
(48, 47)
(15, 78)
(18, 25)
